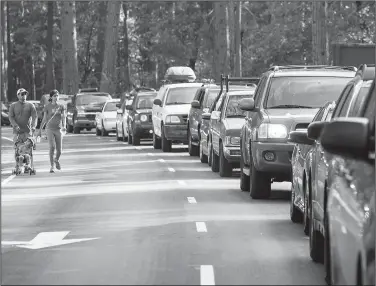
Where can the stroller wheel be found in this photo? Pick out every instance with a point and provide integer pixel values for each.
(30, 172)
(34, 172)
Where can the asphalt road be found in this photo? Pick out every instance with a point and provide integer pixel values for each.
(155, 218)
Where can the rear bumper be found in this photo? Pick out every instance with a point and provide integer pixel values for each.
(84, 123)
(143, 130)
(176, 132)
(110, 125)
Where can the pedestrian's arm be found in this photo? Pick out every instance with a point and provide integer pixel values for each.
(43, 121)
(64, 117)
(12, 116)
(34, 117)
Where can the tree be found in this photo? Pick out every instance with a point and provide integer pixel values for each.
(69, 45)
(222, 49)
(4, 60)
(127, 78)
(320, 38)
(102, 21)
(50, 73)
(238, 49)
(11, 91)
(108, 83)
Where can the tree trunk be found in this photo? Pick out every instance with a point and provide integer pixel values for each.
(222, 40)
(108, 84)
(12, 96)
(102, 12)
(238, 46)
(33, 86)
(127, 77)
(4, 61)
(50, 78)
(319, 33)
(69, 45)
(231, 27)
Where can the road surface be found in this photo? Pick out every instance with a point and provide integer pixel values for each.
(154, 218)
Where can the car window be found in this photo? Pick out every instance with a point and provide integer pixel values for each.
(370, 107)
(258, 91)
(181, 95)
(359, 100)
(145, 102)
(211, 94)
(319, 114)
(233, 109)
(86, 99)
(342, 100)
(346, 104)
(110, 106)
(306, 91)
(198, 93)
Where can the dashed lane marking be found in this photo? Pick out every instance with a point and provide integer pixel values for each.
(6, 138)
(171, 170)
(201, 227)
(161, 160)
(182, 183)
(207, 275)
(192, 200)
(7, 180)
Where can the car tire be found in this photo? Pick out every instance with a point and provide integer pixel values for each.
(130, 138)
(125, 138)
(215, 161)
(296, 215)
(210, 157)
(192, 149)
(306, 208)
(244, 179)
(97, 131)
(76, 130)
(259, 183)
(225, 168)
(316, 241)
(166, 144)
(156, 142)
(203, 157)
(118, 138)
(327, 253)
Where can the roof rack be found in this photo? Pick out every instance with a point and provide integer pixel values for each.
(277, 68)
(366, 72)
(89, 89)
(247, 80)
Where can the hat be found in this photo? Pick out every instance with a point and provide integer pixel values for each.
(53, 92)
(21, 90)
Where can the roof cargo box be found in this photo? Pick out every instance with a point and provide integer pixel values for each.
(180, 74)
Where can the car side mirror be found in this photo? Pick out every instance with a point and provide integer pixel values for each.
(247, 104)
(315, 128)
(119, 111)
(158, 102)
(215, 115)
(348, 137)
(206, 116)
(128, 107)
(195, 104)
(300, 137)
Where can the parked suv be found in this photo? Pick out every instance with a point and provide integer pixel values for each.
(82, 110)
(201, 103)
(139, 122)
(287, 98)
(170, 114)
(225, 132)
(351, 193)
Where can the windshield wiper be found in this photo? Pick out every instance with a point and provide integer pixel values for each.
(235, 115)
(171, 103)
(291, 106)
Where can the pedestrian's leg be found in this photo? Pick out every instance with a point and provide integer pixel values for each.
(27, 161)
(59, 146)
(51, 144)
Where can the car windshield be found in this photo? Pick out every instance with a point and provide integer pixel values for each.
(212, 94)
(111, 106)
(86, 99)
(145, 102)
(181, 95)
(304, 92)
(233, 109)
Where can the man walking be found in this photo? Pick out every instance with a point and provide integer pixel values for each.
(23, 117)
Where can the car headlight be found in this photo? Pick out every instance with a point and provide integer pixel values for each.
(172, 119)
(272, 131)
(229, 140)
(144, 118)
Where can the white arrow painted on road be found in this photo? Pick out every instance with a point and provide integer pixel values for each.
(46, 239)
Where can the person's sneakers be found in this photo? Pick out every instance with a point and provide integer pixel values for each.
(57, 164)
(52, 170)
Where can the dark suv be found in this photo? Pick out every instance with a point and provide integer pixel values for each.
(201, 103)
(139, 122)
(287, 98)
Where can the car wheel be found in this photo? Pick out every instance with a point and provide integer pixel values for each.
(156, 142)
(166, 144)
(192, 149)
(97, 131)
(225, 168)
(259, 183)
(244, 179)
(316, 241)
(203, 157)
(215, 161)
(295, 214)
(124, 138)
(76, 130)
(130, 138)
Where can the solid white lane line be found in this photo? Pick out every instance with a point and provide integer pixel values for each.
(150, 154)
(191, 200)
(207, 275)
(6, 138)
(112, 140)
(161, 160)
(138, 148)
(201, 227)
(182, 183)
(171, 170)
(7, 180)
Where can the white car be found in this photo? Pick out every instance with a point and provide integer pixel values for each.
(105, 121)
(121, 121)
(170, 114)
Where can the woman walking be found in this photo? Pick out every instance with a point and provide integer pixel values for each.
(54, 115)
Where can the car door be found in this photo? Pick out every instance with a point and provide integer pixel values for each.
(195, 115)
(157, 111)
(215, 123)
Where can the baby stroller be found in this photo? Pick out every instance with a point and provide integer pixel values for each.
(22, 157)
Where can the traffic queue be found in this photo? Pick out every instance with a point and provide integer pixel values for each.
(313, 126)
